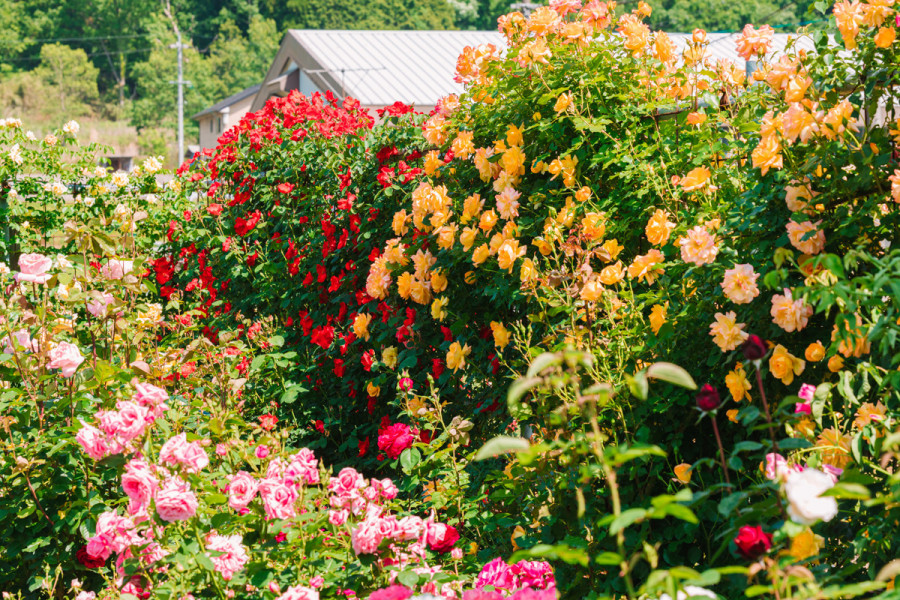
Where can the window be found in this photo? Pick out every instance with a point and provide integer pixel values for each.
(210, 125)
(220, 124)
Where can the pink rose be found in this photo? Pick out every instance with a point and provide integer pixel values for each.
(409, 528)
(112, 534)
(33, 268)
(498, 574)
(152, 397)
(303, 468)
(221, 449)
(347, 482)
(278, 499)
(177, 450)
(833, 472)
(394, 439)
(386, 488)
(807, 392)
(140, 485)
(65, 356)
(132, 420)
(176, 501)
(317, 582)
(242, 489)
(440, 537)
(233, 555)
(262, 451)
(367, 536)
(298, 592)
(456, 554)
(802, 408)
(93, 441)
(20, 339)
(99, 304)
(536, 574)
(116, 269)
(338, 517)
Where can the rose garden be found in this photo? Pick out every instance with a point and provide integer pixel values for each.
(618, 322)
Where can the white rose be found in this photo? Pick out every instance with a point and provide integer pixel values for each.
(691, 591)
(804, 491)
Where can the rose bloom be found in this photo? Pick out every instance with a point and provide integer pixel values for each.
(659, 228)
(698, 246)
(367, 536)
(790, 314)
(232, 555)
(112, 534)
(242, 488)
(177, 450)
(644, 267)
(785, 365)
(33, 268)
(753, 542)
(727, 333)
(739, 284)
(440, 537)
(690, 591)
(140, 485)
(19, 339)
(394, 439)
(278, 499)
(798, 231)
(132, 420)
(66, 357)
(176, 501)
(298, 592)
(93, 441)
(152, 397)
(497, 574)
(98, 305)
(804, 495)
(695, 179)
(116, 269)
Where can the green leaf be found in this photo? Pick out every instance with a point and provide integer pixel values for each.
(853, 491)
(628, 517)
(563, 552)
(608, 558)
(409, 458)
(519, 388)
(213, 499)
(502, 445)
(548, 359)
(204, 561)
(671, 373)
(408, 578)
(680, 511)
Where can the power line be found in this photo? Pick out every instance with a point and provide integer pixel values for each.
(91, 55)
(77, 39)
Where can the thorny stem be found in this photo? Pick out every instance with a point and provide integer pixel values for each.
(762, 394)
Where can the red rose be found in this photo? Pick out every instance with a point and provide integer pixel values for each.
(285, 188)
(708, 398)
(753, 542)
(87, 560)
(441, 537)
(754, 348)
(214, 209)
(363, 446)
(268, 421)
(394, 439)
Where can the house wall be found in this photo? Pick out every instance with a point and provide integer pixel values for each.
(214, 125)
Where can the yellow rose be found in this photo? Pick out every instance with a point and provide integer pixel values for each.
(501, 334)
(438, 312)
(610, 250)
(361, 326)
(481, 253)
(438, 282)
(488, 220)
(591, 291)
(467, 237)
(528, 272)
(815, 352)
(784, 365)
(456, 356)
(373, 390)
(683, 472)
(835, 363)
(593, 225)
(737, 383)
(658, 317)
(389, 357)
(612, 274)
(404, 284)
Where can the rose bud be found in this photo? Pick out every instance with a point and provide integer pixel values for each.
(754, 348)
(708, 398)
(753, 542)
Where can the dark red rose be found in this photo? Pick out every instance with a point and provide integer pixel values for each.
(753, 542)
(708, 398)
(87, 560)
(754, 348)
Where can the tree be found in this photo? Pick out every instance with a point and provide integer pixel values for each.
(377, 14)
(717, 15)
(73, 77)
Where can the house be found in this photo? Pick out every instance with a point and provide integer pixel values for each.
(379, 68)
(216, 119)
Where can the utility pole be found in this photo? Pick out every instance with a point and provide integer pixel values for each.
(180, 82)
(526, 8)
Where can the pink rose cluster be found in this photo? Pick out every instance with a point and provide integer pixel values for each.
(232, 554)
(279, 489)
(525, 574)
(19, 339)
(118, 428)
(178, 451)
(116, 269)
(299, 592)
(417, 533)
(352, 494)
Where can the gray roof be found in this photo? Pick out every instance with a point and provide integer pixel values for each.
(379, 68)
(217, 107)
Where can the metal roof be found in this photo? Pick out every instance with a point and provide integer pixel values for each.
(379, 68)
(218, 106)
